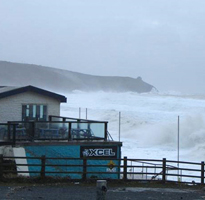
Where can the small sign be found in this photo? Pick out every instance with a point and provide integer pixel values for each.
(111, 164)
(100, 151)
(111, 167)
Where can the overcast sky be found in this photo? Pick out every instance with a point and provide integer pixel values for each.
(163, 41)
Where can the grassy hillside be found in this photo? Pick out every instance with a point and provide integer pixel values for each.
(17, 74)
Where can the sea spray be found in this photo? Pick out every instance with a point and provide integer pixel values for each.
(148, 121)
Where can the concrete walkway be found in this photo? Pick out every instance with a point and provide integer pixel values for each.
(78, 192)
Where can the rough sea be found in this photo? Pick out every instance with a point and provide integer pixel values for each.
(147, 124)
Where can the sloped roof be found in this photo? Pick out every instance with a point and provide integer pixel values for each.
(6, 91)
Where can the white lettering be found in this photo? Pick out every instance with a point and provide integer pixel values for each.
(98, 152)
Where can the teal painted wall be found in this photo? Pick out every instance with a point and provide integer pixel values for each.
(69, 151)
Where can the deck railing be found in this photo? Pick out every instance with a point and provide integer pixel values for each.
(125, 169)
(15, 131)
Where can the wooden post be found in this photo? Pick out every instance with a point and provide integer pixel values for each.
(9, 132)
(164, 170)
(1, 166)
(202, 173)
(49, 118)
(125, 169)
(32, 125)
(14, 134)
(84, 169)
(43, 166)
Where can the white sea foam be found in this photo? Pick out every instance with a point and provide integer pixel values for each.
(149, 122)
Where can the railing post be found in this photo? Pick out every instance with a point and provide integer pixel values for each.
(50, 118)
(69, 131)
(43, 166)
(125, 168)
(119, 167)
(202, 172)
(84, 169)
(32, 126)
(105, 131)
(14, 134)
(9, 132)
(1, 166)
(164, 170)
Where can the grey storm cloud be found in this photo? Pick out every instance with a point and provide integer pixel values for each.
(161, 41)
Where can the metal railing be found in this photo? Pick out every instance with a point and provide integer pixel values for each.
(16, 131)
(163, 170)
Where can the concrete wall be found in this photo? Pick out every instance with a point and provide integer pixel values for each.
(11, 107)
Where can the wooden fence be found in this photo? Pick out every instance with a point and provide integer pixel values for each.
(126, 169)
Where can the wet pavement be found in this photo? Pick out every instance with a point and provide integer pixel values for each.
(78, 192)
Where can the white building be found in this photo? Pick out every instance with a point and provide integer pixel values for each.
(28, 103)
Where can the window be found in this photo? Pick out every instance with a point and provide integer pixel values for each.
(34, 112)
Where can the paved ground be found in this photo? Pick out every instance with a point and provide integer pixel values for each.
(78, 192)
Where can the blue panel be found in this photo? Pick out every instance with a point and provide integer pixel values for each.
(110, 167)
(70, 151)
(52, 152)
(106, 170)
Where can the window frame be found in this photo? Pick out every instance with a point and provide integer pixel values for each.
(36, 112)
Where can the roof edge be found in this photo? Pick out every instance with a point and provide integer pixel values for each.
(31, 88)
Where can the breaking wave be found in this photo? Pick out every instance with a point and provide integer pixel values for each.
(147, 120)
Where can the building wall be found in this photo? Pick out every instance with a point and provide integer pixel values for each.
(11, 107)
(73, 151)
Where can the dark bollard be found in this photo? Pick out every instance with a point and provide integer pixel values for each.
(101, 189)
